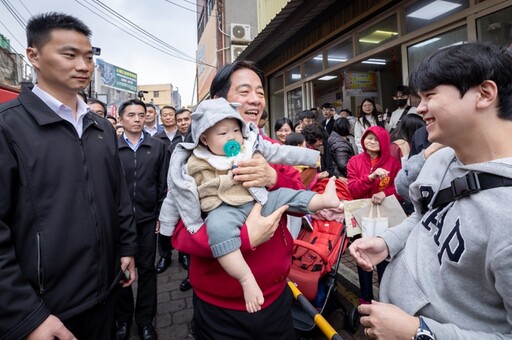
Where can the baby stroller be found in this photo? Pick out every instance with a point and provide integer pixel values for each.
(315, 262)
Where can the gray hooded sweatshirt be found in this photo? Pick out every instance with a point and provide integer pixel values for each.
(182, 200)
(453, 265)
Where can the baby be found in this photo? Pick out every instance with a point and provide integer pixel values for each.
(200, 175)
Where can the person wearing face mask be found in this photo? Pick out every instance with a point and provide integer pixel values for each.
(401, 97)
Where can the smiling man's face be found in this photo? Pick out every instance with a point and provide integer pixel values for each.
(247, 89)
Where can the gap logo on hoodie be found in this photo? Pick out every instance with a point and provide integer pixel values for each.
(451, 245)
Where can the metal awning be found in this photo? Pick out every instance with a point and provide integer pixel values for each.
(294, 17)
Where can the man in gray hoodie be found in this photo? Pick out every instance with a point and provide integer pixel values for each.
(451, 271)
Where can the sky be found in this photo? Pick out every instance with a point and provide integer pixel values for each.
(171, 21)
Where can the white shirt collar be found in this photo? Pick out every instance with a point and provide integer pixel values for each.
(64, 111)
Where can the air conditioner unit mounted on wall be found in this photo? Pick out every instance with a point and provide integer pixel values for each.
(240, 33)
(236, 50)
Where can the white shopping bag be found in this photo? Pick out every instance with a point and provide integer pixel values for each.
(374, 226)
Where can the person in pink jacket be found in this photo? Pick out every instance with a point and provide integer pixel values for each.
(371, 174)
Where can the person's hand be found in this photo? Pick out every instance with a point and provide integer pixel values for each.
(261, 229)
(368, 252)
(51, 328)
(379, 172)
(255, 172)
(379, 197)
(322, 175)
(128, 263)
(385, 321)
(157, 227)
(432, 148)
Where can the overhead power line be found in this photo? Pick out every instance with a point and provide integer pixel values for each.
(143, 31)
(15, 14)
(13, 36)
(188, 9)
(29, 12)
(143, 36)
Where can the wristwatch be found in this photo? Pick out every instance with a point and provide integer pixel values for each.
(423, 333)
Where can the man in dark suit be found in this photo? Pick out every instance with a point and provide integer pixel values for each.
(328, 114)
(145, 162)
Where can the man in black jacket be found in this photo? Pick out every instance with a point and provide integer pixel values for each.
(170, 130)
(328, 114)
(67, 232)
(145, 162)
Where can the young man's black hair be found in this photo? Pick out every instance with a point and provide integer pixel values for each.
(466, 66)
(403, 89)
(40, 26)
(306, 114)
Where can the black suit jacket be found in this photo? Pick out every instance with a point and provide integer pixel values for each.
(329, 125)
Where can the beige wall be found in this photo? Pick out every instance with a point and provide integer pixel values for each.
(267, 10)
(164, 94)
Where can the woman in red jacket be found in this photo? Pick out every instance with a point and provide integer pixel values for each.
(371, 174)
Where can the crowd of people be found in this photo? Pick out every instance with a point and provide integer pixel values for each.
(88, 201)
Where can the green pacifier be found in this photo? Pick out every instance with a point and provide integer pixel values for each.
(232, 148)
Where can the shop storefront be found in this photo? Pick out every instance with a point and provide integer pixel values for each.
(375, 52)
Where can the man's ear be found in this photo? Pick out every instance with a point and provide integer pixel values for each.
(488, 94)
(33, 56)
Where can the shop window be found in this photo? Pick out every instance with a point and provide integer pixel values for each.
(340, 53)
(378, 34)
(425, 12)
(313, 65)
(496, 27)
(293, 75)
(294, 99)
(417, 52)
(276, 83)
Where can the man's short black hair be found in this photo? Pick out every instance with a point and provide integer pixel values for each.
(151, 105)
(306, 114)
(466, 66)
(326, 105)
(295, 139)
(169, 107)
(96, 101)
(180, 111)
(222, 80)
(404, 89)
(112, 117)
(40, 26)
(129, 102)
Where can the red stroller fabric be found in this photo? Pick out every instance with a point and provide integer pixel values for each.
(316, 251)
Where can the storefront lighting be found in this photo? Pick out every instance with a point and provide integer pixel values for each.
(339, 60)
(433, 9)
(426, 42)
(374, 61)
(377, 37)
(327, 77)
(295, 76)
